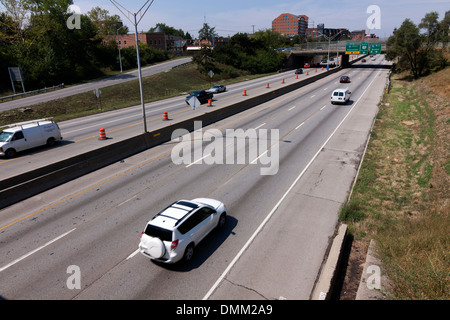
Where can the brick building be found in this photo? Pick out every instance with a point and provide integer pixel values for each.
(320, 30)
(290, 24)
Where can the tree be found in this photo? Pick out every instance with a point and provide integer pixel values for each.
(106, 24)
(206, 32)
(168, 30)
(419, 50)
(406, 44)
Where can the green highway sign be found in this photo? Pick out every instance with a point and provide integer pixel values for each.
(351, 48)
(375, 48)
(364, 47)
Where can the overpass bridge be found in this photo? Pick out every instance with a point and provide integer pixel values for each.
(342, 50)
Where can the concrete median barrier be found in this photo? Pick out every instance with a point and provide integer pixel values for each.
(28, 184)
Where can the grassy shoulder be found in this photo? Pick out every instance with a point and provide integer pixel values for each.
(401, 197)
(178, 81)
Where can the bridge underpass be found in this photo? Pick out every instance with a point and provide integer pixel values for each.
(306, 52)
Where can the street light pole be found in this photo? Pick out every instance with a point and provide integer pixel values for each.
(118, 44)
(135, 22)
(140, 75)
(329, 44)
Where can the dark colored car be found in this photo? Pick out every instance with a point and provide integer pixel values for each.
(202, 96)
(344, 79)
(299, 71)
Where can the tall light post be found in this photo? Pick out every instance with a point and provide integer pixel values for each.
(118, 44)
(135, 22)
(329, 44)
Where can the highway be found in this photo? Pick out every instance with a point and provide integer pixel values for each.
(278, 228)
(81, 134)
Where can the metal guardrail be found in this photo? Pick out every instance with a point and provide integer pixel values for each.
(31, 92)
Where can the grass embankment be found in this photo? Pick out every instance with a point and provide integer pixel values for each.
(401, 196)
(178, 81)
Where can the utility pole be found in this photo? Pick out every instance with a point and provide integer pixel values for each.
(135, 22)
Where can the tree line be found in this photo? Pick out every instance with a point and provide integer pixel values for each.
(254, 54)
(420, 48)
(34, 35)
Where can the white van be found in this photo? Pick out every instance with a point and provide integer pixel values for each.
(26, 135)
(340, 96)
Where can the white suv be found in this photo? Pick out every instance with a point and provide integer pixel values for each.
(174, 232)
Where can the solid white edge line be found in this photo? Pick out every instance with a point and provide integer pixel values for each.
(300, 125)
(35, 250)
(247, 244)
(133, 254)
(261, 125)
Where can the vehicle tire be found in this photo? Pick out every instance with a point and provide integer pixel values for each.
(188, 253)
(51, 142)
(10, 153)
(222, 220)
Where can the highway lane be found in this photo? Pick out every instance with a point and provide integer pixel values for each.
(94, 222)
(81, 135)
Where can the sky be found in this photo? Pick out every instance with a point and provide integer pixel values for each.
(229, 17)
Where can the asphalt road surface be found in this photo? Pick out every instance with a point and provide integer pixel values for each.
(278, 228)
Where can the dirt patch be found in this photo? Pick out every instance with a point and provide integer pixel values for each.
(352, 268)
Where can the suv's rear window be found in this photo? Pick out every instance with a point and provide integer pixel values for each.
(157, 232)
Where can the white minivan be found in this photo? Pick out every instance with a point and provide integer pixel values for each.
(26, 135)
(340, 96)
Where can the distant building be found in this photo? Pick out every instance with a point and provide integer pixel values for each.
(320, 30)
(358, 35)
(290, 25)
(157, 39)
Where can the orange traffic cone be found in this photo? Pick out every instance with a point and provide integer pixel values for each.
(245, 93)
(165, 116)
(102, 134)
(209, 102)
(267, 85)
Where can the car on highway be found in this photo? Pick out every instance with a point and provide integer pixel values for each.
(173, 233)
(27, 135)
(363, 60)
(340, 96)
(202, 96)
(217, 88)
(299, 71)
(307, 65)
(344, 79)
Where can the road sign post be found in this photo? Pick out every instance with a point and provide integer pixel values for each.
(375, 48)
(364, 47)
(351, 48)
